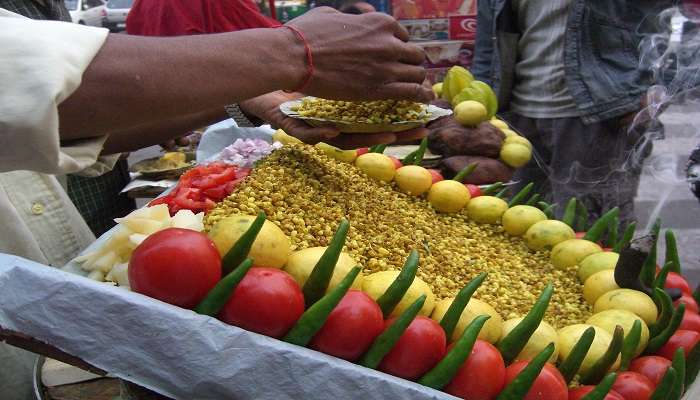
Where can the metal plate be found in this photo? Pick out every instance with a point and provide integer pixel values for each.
(358, 127)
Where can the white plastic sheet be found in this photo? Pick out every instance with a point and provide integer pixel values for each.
(175, 351)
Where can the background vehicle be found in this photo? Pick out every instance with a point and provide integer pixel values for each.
(114, 14)
(86, 12)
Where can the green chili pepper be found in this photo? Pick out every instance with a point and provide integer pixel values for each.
(602, 389)
(377, 148)
(217, 297)
(596, 231)
(410, 158)
(533, 200)
(569, 217)
(420, 153)
(549, 211)
(395, 292)
(659, 340)
(572, 364)
(464, 172)
(447, 368)
(581, 217)
(678, 364)
(630, 344)
(665, 305)
(513, 343)
(312, 320)
(493, 188)
(517, 388)
(521, 195)
(503, 193)
(692, 366)
(672, 251)
(383, 344)
(239, 251)
(649, 267)
(626, 238)
(663, 389)
(597, 372)
(317, 283)
(613, 232)
(454, 312)
(660, 281)
(372, 149)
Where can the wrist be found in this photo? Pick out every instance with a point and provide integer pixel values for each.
(293, 59)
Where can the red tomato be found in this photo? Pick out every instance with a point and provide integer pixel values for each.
(682, 338)
(351, 327)
(691, 322)
(267, 301)
(177, 266)
(361, 151)
(580, 235)
(549, 384)
(397, 163)
(653, 367)
(675, 280)
(690, 303)
(482, 376)
(436, 175)
(607, 249)
(474, 190)
(418, 350)
(581, 392)
(633, 386)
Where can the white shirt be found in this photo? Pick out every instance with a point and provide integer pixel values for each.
(42, 65)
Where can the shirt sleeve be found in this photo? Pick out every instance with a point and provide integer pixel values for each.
(42, 65)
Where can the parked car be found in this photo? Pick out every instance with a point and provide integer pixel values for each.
(114, 15)
(86, 12)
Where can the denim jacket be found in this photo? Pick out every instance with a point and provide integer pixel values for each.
(601, 56)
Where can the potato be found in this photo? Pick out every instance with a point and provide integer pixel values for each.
(453, 140)
(488, 170)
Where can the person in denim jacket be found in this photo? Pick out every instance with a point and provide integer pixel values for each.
(568, 78)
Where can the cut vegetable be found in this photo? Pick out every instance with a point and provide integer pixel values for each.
(578, 353)
(220, 294)
(630, 344)
(601, 367)
(395, 292)
(317, 283)
(454, 312)
(511, 345)
(239, 251)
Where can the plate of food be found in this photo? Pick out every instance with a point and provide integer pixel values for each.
(363, 116)
(168, 166)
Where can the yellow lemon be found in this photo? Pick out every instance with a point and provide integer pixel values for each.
(543, 336)
(302, 262)
(500, 124)
(518, 219)
(570, 252)
(509, 132)
(347, 156)
(630, 300)
(598, 284)
(413, 179)
(519, 140)
(448, 196)
(491, 332)
(377, 166)
(486, 209)
(470, 113)
(376, 284)
(437, 88)
(570, 335)
(515, 155)
(596, 262)
(544, 235)
(271, 247)
(609, 319)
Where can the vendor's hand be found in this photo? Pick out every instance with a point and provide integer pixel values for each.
(488, 170)
(266, 107)
(359, 57)
(174, 144)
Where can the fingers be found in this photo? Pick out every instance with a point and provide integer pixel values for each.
(357, 140)
(406, 91)
(307, 133)
(410, 54)
(411, 74)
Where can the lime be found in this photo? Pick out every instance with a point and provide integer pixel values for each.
(271, 247)
(596, 262)
(448, 196)
(413, 179)
(518, 219)
(302, 262)
(570, 335)
(376, 284)
(377, 166)
(486, 209)
(500, 124)
(543, 336)
(437, 89)
(547, 234)
(570, 252)
(515, 155)
(518, 139)
(609, 319)
(598, 284)
(630, 300)
(470, 113)
(491, 332)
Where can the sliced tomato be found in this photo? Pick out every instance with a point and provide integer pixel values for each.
(213, 179)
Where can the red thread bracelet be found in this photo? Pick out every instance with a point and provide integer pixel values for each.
(309, 59)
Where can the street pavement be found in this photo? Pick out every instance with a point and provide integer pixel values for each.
(664, 193)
